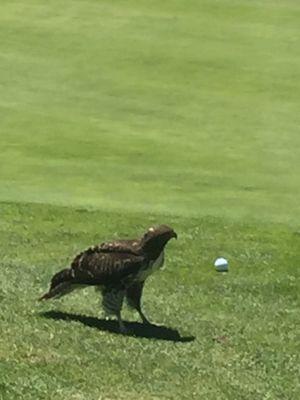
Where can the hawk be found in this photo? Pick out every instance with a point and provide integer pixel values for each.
(119, 269)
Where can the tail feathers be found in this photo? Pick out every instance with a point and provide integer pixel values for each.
(60, 284)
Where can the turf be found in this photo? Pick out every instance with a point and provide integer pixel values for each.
(118, 115)
(187, 107)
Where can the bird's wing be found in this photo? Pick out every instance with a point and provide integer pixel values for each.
(97, 267)
(124, 246)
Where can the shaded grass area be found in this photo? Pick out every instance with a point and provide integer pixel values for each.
(135, 329)
(241, 328)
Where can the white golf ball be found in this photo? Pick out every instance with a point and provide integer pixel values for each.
(221, 264)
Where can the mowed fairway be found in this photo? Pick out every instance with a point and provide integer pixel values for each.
(116, 115)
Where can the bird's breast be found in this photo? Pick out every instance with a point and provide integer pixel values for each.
(153, 266)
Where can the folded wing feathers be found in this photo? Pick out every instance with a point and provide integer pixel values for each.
(120, 246)
(107, 262)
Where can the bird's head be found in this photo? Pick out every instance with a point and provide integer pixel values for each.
(155, 239)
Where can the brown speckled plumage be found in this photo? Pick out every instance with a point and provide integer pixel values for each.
(118, 268)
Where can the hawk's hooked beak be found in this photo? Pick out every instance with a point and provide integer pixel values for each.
(174, 235)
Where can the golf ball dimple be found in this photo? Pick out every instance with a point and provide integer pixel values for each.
(221, 264)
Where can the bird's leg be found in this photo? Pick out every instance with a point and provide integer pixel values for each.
(143, 317)
(134, 295)
(122, 327)
(136, 304)
(138, 308)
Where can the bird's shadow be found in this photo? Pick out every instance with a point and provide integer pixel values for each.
(135, 329)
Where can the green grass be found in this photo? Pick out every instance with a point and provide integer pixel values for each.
(255, 308)
(187, 107)
(115, 115)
